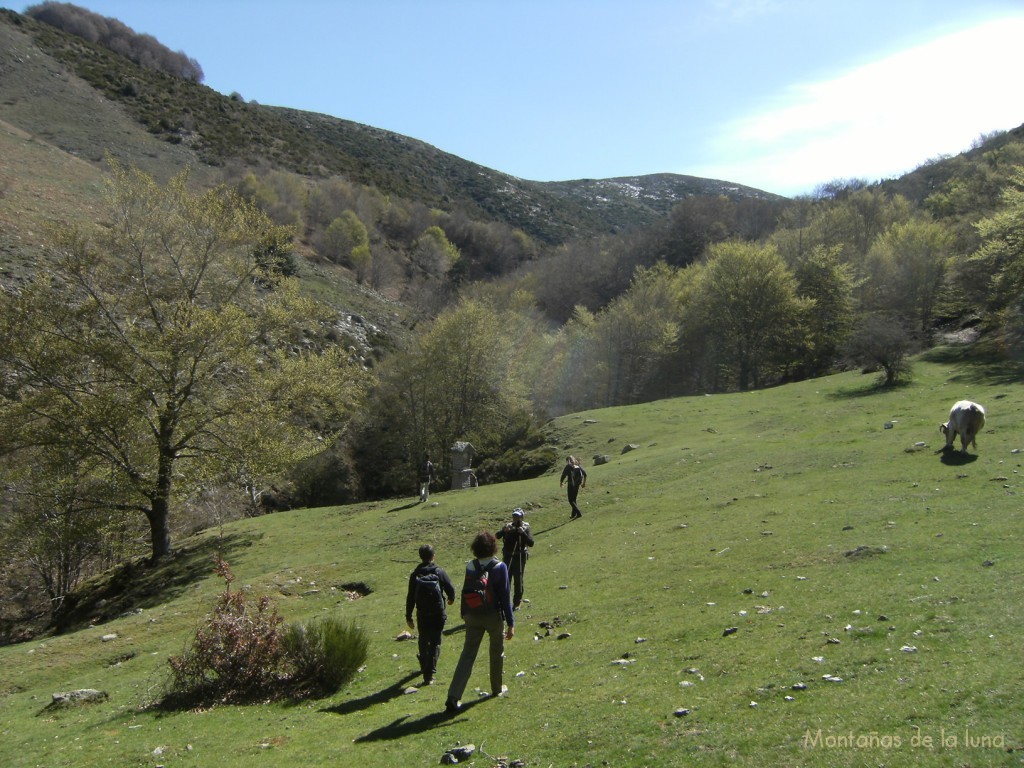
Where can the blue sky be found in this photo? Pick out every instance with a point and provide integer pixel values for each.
(782, 95)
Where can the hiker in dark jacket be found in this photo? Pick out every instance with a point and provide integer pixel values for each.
(428, 596)
(425, 476)
(515, 549)
(577, 478)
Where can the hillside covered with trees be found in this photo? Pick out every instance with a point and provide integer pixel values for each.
(334, 300)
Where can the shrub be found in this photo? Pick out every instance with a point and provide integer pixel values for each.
(325, 652)
(238, 653)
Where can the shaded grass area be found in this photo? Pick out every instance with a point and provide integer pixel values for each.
(138, 585)
(750, 543)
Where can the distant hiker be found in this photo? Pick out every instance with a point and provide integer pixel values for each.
(577, 478)
(515, 549)
(429, 589)
(426, 476)
(486, 609)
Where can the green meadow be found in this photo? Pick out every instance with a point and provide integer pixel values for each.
(795, 576)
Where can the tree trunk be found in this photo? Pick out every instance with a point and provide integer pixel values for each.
(159, 528)
(160, 502)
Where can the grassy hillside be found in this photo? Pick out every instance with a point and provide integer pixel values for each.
(733, 511)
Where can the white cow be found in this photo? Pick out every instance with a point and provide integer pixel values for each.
(965, 419)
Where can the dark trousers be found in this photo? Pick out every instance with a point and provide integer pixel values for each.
(574, 491)
(516, 568)
(430, 629)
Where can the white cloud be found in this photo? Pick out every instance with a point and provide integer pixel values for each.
(881, 119)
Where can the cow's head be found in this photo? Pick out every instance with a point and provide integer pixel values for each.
(944, 428)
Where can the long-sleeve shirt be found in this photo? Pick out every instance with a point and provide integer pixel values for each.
(499, 582)
(443, 579)
(516, 539)
(568, 474)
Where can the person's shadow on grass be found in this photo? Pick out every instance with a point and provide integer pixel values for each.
(410, 505)
(391, 692)
(554, 527)
(403, 726)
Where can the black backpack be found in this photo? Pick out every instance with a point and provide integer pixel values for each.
(577, 475)
(477, 593)
(429, 597)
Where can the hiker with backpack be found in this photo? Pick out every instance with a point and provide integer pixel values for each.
(577, 478)
(486, 609)
(426, 476)
(515, 549)
(429, 589)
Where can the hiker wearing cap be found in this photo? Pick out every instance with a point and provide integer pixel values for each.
(515, 549)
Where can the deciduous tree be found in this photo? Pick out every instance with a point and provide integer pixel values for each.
(157, 348)
(752, 300)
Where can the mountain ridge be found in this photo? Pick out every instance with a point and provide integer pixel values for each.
(194, 121)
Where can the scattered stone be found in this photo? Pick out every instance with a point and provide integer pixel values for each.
(832, 678)
(789, 698)
(623, 662)
(456, 755)
(847, 527)
(883, 617)
(81, 696)
(909, 649)
(834, 641)
(748, 591)
(565, 636)
(730, 631)
(108, 638)
(799, 686)
(600, 459)
(681, 712)
(629, 447)
(640, 640)
(753, 705)
(411, 689)
(405, 636)
(989, 563)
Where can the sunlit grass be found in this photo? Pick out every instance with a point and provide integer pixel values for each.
(733, 511)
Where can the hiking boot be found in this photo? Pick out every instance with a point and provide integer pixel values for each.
(503, 693)
(451, 707)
